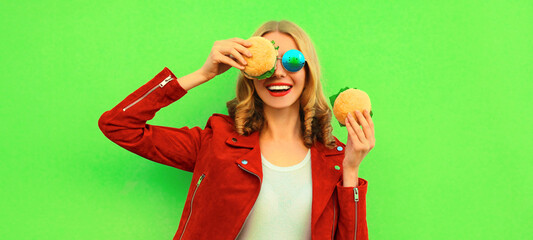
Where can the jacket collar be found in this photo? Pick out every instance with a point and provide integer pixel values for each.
(326, 167)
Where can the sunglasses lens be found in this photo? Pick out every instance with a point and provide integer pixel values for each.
(293, 60)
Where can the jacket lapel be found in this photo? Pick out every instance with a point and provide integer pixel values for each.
(251, 161)
(326, 172)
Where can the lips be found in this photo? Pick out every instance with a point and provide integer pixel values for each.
(279, 93)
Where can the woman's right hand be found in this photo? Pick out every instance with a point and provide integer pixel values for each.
(224, 55)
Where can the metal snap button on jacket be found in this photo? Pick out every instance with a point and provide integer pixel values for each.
(339, 148)
(234, 139)
(244, 161)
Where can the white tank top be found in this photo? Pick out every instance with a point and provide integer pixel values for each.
(283, 207)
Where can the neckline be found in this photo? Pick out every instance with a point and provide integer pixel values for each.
(289, 168)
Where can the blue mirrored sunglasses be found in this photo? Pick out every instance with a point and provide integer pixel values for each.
(292, 60)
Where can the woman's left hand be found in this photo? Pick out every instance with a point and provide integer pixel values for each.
(360, 141)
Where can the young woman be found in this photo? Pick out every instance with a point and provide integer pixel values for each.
(271, 169)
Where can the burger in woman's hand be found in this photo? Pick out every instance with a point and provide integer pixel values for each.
(262, 64)
(349, 100)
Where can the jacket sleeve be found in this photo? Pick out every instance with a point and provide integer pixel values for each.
(352, 204)
(125, 125)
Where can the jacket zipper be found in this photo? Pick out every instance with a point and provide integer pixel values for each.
(162, 84)
(333, 227)
(356, 197)
(252, 206)
(190, 212)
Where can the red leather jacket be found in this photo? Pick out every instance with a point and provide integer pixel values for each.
(227, 168)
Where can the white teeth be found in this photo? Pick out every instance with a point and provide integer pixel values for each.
(282, 87)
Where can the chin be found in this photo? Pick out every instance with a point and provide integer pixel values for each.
(286, 101)
(279, 103)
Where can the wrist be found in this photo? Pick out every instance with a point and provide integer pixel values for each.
(352, 168)
(350, 178)
(201, 76)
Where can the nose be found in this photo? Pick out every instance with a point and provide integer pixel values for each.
(280, 70)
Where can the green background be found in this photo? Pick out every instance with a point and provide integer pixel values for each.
(449, 83)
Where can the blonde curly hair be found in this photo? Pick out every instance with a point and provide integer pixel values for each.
(246, 108)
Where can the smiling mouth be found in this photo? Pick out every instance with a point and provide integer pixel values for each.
(279, 89)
